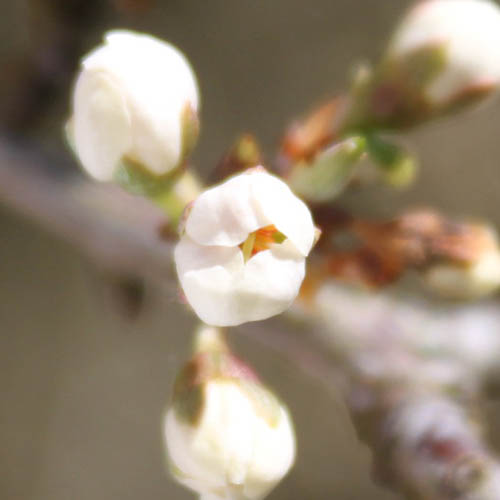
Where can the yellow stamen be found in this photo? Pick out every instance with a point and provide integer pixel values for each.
(261, 240)
(247, 248)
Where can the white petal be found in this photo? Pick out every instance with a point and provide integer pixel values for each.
(101, 123)
(207, 276)
(224, 291)
(225, 214)
(270, 283)
(274, 454)
(193, 474)
(279, 206)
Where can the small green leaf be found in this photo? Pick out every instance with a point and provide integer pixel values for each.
(328, 174)
(398, 165)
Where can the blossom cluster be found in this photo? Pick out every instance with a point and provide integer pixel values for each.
(243, 243)
(241, 257)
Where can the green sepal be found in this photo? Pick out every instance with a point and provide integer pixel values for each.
(136, 179)
(398, 166)
(327, 175)
(393, 95)
(188, 395)
(190, 130)
(69, 135)
(419, 68)
(189, 407)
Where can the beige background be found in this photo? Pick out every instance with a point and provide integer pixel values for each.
(83, 389)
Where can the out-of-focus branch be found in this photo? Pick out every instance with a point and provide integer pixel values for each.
(413, 380)
(121, 232)
(409, 370)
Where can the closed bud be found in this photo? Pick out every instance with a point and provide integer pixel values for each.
(444, 55)
(227, 436)
(473, 277)
(135, 105)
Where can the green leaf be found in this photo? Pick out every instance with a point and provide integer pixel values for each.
(328, 174)
(398, 165)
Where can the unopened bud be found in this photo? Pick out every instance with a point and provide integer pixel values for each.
(227, 436)
(444, 55)
(135, 107)
(472, 278)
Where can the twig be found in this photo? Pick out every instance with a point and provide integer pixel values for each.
(408, 370)
(119, 231)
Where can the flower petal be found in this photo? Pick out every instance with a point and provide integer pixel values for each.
(207, 276)
(225, 214)
(276, 204)
(101, 123)
(224, 291)
(270, 283)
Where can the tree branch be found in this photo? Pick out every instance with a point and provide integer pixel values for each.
(409, 370)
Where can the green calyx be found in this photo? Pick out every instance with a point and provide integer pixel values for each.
(137, 179)
(393, 95)
(398, 166)
(326, 176)
(171, 192)
(219, 366)
(190, 130)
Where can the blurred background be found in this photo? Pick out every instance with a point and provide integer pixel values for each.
(84, 385)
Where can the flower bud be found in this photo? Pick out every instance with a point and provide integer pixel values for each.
(135, 107)
(444, 54)
(242, 254)
(472, 278)
(227, 436)
(472, 281)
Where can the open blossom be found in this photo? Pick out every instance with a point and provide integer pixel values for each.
(227, 436)
(135, 101)
(242, 254)
(468, 31)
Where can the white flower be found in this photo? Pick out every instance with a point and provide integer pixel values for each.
(468, 31)
(242, 255)
(135, 99)
(227, 436)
